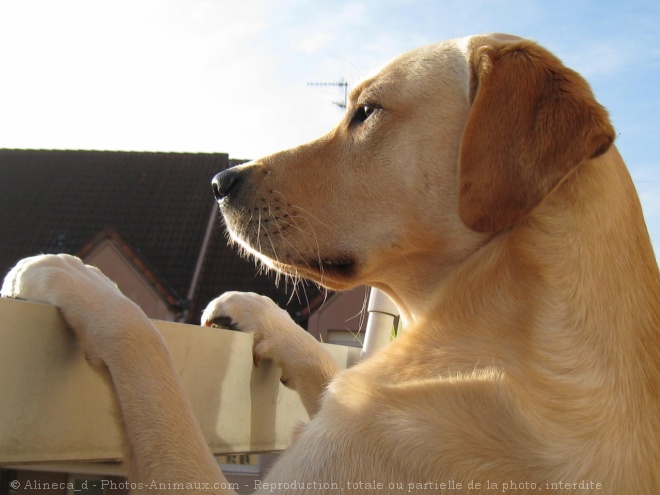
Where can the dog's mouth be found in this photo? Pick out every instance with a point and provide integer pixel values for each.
(334, 273)
(267, 240)
(279, 239)
(344, 267)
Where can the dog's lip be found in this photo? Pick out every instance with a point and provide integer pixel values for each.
(339, 267)
(324, 270)
(344, 266)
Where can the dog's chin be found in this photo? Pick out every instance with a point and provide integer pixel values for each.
(336, 272)
(333, 273)
(339, 273)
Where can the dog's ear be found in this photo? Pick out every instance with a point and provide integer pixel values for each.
(532, 121)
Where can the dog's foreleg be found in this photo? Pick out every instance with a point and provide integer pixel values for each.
(306, 366)
(166, 446)
(167, 452)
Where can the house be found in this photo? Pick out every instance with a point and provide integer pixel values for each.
(150, 222)
(153, 213)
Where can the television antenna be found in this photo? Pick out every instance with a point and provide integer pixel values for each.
(340, 84)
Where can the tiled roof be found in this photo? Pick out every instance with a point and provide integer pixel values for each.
(58, 201)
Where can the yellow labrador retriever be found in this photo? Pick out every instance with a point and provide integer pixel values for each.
(475, 182)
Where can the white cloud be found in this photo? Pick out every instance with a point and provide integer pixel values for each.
(313, 42)
(224, 75)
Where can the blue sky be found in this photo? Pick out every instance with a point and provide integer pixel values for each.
(231, 76)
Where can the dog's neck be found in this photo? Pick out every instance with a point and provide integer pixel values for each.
(413, 280)
(573, 291)
(578, 273)
(566, 305)
(590, 253)
(587, 240)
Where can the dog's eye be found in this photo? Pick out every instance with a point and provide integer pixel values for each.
(362, 113)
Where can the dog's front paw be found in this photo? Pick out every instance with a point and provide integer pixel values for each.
(307, 367)
(276, 335)
(90, 302)
(244, 311)
(49, 278)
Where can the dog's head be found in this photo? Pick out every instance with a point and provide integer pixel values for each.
(446, 146)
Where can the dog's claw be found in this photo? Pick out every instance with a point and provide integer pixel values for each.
(222, 322)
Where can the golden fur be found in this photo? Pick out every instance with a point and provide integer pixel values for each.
(475, 181)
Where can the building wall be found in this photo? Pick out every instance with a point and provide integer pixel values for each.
(109, 259)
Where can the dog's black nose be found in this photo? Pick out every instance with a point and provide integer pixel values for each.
(225, 183)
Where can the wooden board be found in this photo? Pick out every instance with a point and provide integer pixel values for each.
(55, 408)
